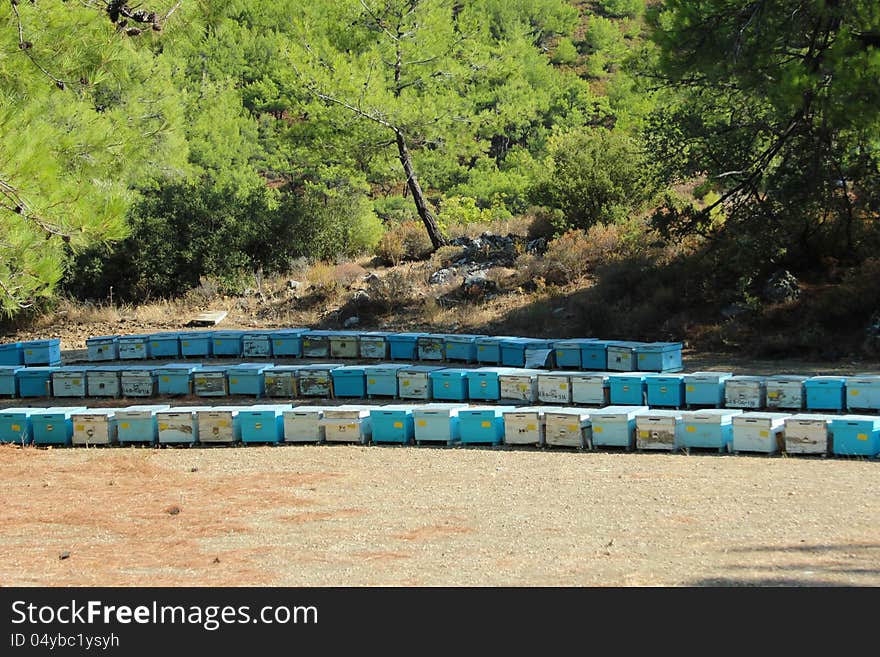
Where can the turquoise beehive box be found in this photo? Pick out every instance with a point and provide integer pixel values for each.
(287, 343)
(627, 389)
(165, 345)
(263, 423)
(227, 344)
(42, 352)
(513, 350)
(247, 378)
(569, 353)
(615, 426)
(863, 392)
(393, 424)
(449, 384)
(15, 425)
(856, 435)
(484, 384)
(138, 424)
(404, 346)
(12, 354)
(705, 388)
(825, 393)
(9, 380)
(594, 355)
(69, 381)
(349, 381)
(437, 422)
(709, 428)
(489, 348)
(53, 426)
(462, 347)
(482, 425)
(133, 347)
(665, 390)
(102, 347)
(175, 378)
(659, 357)
(382, 379)
(35, 381)
(196, 344)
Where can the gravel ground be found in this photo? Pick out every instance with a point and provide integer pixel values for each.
(400, 516)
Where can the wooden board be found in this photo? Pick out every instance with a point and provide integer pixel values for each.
(211, 318)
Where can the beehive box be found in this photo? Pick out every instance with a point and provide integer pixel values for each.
(287, 343)
(590, 389)
(177, 425)
(462, 347)
(9, 380)
(393, 424)
(281, 381)
(211, 381)
(622, 356)
(856, 435)
(196, 343)
(449, 384)
(382, 379)
(344, 344)
(95, 426)
(806, 433)
(262, 423)
(374, 345)
(658, 430)
(349, 381)
(102, 347)
(705, 388)
(134, 347)
(665, 390)
(513, 350)
(15, 425)
(257, 344)
(437, 422)
(709, 428)
(42, 352)
(52, 426)
(347, 424)
(69, 381)
(569, 354)
(104, 381)
(758, 432)
(35, 381)
(863, 392)
(138, 424)
(176, 378)
(164, 345)
(138, 382)
(404, 346)
(785, 391)
(247, 379)
(569, 427)
(525, 425)
(825, 393)
(316, 380)
(627, 388)
(489, 348)
(302, 424)
(12, 353)
(316, 344)
(414, 382)
(219, 424)
(520, 385)
(745, 392)
(482, 425)
(659, 357)
(615, 426)
(431, 346)
(554, 387)
(484, 383)
(594, 355)
(227, 343)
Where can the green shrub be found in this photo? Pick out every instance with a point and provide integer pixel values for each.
(565, 53)
(621, 8)
(406, 241)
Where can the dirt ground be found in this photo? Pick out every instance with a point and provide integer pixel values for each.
(346, 515)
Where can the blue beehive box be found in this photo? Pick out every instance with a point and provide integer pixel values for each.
(855, 435)
(53, 426)
(432, 346)
(69, 381)
(12, 354)
(659, 357)
(42, 352)
(263, 423)
(9, 380)
(594, 355)
(317, 380)
(165, 345)
(705, 388)
(103, 347)
(460, 346)
(627, 389)
(349, 381)
(196, 343)
(138, 424)
(15, 425)
(175, 378)
(863, 392)
(513, 350)
(316, 344)
(393, 424)
(710, 428)
(665, 390)
(281, 381)
(483, 383)
(437, 422)
(569, 353)
(133, 347)
(404, 346)
(373, 345)
(227, 343)
(287, 343)
(489, 348)
(826, 393)
(615, 426)
(257, 344)
(482, 425)
(35, 381)
(247, 378)
(104, 380)
(622, 356)
(449, 384)
(382, 379)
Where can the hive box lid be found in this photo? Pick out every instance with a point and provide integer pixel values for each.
(661, 414)
(183, 409)
(248, 368)
(710, 415)
(95, 412)
(591, 376)
(320, 367)
(707, 377)
(102, 338)
(20, 411)
(811, 417)
(387, 368)
(140, 411)
(59, 410)
(625, 344)
(349, 370)
(613, 413)
(773, 418)
(177, 367)
(787, 378)
(42, 343)
(746, 378)
(574, 342)
(652, 347)
(873, 419)
(450, 372)
(394, 408)
(405, 337)
(663, 378)
(415, 369)
(192, 335)
(824, 380)
(497, 411)
(627, 375)
(34, 372)
(464, 337)
(134, 337)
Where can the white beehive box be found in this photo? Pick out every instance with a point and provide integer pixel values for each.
(569, 427)
(785, 391)
(554, 387)
(806, 433)
(745, 392)
(658, 430)
(348, 424)
(219, 425)
(525, 425)
(519, 386)
(177, 425)
(96, 426)
(302, 424)
(414, 382)
(615, 426)
(592, 389)
(138, 383)
(758, 432)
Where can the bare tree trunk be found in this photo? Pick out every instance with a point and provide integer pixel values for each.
(437, 239)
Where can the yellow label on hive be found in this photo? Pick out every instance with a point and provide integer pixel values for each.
(270, 380)
(573, 427)
(523, 387)
(201, 381)
(690, 429)
(862, 436)
(689, 388)
(185, 343)
(854, 392)
(405, 382)
(162, 426)
(641, 356)
(166, 379)
(29, 352)
(597, 429)
(563, 386)
(139, 346)
(626, 388)
(233, 381)
(16, 427)
(352, 426)
(155, 344)
(76, 382)
(481, 347)
(446, 384)
(277, 343)
(486, 424)
(307, 343)
(644, 434)
(422, 423)
(772, 395)
(559, 352)
(663, 389)
(763, 434)
(531, 427)
(398, 425)
(372, 382)
(258, 425)
(483, 384)
(223, 423)
(123, 425)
